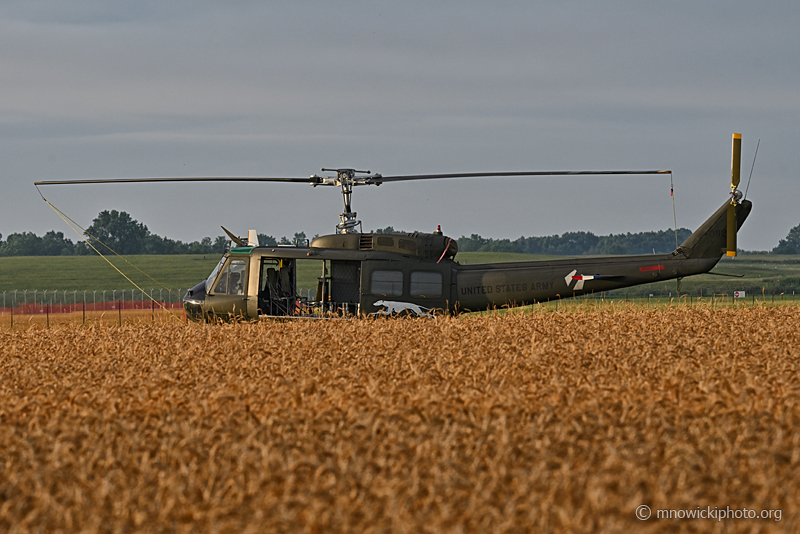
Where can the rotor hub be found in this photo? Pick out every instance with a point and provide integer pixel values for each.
(346, 179)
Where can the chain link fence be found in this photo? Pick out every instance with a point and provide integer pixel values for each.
(36, 306)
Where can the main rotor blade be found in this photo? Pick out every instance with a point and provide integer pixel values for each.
(498, 174)
(311, 180)
(234, 238)
(318, 180)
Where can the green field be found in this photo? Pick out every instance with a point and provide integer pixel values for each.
(764, 275)
(94, 273)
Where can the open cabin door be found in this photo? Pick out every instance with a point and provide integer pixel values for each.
(308, 287)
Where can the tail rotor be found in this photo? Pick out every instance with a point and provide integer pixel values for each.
(736, 195)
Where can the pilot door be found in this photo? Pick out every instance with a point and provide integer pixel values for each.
(228, 295)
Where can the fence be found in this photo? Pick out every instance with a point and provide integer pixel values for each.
(24, 298)
(36, 306)
(80, 307)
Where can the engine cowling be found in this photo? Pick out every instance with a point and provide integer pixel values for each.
(421, 245)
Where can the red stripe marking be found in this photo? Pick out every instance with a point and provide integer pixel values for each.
(652, 268)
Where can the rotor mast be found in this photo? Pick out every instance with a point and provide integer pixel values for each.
(346, 179)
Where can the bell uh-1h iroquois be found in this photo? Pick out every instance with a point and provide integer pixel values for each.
(416, 273)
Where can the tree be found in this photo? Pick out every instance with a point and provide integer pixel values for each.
(154, 244)
(29, 244)
(790, 245)
(221, 244)
(119, 231)
(473, 243)
(265, 240)
(22, 244)
(54, 244)
(200, 247)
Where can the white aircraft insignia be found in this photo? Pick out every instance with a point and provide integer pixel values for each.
(579, 279)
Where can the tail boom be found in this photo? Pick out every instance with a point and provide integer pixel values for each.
(483, 286)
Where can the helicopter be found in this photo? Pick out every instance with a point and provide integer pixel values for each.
(416, 273)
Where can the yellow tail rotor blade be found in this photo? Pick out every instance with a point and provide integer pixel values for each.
(736, 163)
(736, 160)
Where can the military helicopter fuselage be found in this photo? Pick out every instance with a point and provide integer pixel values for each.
(417, 274)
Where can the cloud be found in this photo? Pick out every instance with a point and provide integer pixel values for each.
(153, 88)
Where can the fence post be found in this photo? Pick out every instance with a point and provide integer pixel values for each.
(119, 310)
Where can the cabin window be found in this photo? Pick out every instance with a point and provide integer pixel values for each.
(233, 278)
(426, 284)
(387, 283)
(384, 241)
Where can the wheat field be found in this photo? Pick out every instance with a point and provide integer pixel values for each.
(557, 421)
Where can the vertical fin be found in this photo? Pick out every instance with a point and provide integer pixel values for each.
(731, 231)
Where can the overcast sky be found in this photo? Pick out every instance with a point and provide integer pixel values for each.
(93, 89)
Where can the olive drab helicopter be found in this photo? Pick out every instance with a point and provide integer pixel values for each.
(357, 273)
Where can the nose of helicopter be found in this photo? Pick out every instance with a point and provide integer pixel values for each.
(193, 301)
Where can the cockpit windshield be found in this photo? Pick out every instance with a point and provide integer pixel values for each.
(213, 275)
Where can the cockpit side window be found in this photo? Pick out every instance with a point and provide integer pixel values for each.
(233, 278)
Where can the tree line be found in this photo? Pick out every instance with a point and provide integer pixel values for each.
(587, 243)
(126, 236)
(123, 234)
(790, 245)
(579, 243)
